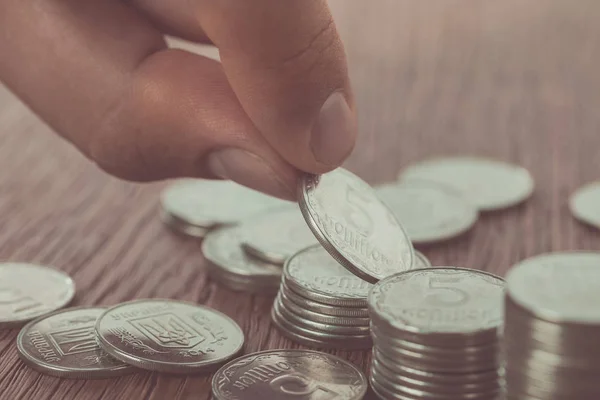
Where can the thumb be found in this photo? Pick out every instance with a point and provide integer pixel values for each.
(287, 66)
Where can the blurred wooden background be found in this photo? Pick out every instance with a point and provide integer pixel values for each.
(517, 80)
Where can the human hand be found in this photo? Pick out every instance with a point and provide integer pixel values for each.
(100, 73)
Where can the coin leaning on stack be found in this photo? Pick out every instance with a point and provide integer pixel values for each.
(552, 327)
(436, 335)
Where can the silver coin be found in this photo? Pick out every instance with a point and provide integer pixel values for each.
(584, 204)
(429, 211)
(314, 274)
(488, 184)
(558, 286)
(181, 227)
(169, 336)
(289, 374)
(28, 291)
(354, 226)
(221, 247)
(209, 203)
(63, 344)
(276, 235)
(337, 311)
(421, 261)
(319, 317)
(440, 300)
(286, 326)
(318, 326)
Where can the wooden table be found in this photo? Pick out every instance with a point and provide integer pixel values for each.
(515, 80)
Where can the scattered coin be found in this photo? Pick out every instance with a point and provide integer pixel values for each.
(169, 336)
(276, 235)
(434, 328)
(429, 211)
(421, 261)
(63, 344)
(28, 291)
(354, 226)
(194, 206)
(488, 184)
(585, 204)
(289, 374)
(232, 267)
(551, 330)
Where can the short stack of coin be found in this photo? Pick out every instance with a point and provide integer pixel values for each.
(552, 327)
(436, 335)
(320, 304)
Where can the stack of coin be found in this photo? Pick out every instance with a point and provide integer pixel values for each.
(229, 265)
(436, 335)
(193, 207)
(289, 374)
(320, 304)
(552, 327)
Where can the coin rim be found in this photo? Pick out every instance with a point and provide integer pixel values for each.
(303, 202)
(459, 230)
(161, 366)
(15, 323)
(361, 375)
(526, 194)
(384, 323)
(545, 314)
(42, 366)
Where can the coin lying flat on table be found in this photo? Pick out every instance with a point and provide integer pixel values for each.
(276, 235)
(193, 206)
(488, 184)
(353, 225)
(429, 211)
(585, 204)
(169, 336)
(552, 327)
(63, 344)
(231, 266)
(28, 291)
(289, 374)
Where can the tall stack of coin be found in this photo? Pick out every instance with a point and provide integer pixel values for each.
(321, 304)
(552, 327)
(436, 335)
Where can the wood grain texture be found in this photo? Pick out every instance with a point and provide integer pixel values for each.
(516, 80)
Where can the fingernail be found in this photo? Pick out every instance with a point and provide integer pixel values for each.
(249, 170)
(333, 134)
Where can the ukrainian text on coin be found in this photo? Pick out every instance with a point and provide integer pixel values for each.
(276, 235)
(428, 211)
(488, 184)
(558, 286)
(313, 273)
(289, 374)
(64, 344)
(169, 336)
(354, 226)
(28, 291)
(440, 300)
(208, 203)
